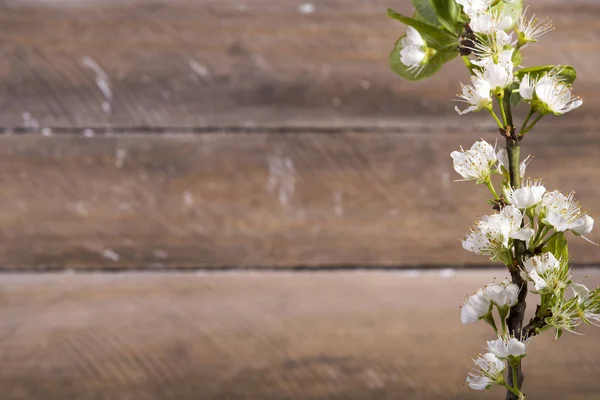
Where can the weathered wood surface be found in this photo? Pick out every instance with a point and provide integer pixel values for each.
(257, 200)
(263, 336)
(202, 63)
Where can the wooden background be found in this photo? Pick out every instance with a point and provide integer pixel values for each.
(160, 149)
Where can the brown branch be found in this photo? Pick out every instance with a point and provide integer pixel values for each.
(517, 313)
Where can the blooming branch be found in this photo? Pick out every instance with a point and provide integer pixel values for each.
(528, 230)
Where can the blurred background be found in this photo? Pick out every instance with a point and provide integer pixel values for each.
(226, 199)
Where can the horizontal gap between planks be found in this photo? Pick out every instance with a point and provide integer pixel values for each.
(254, 269)
(441, 128)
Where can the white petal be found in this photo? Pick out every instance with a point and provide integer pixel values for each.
(516, 348)
(414, 37)
(580, 291)
(583, 226)
(557, 221)
(479, 382)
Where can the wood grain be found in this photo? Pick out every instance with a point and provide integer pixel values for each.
(263, 336)
(105, 63)
(258, 200)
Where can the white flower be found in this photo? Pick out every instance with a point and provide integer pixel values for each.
(565, 316)
(471, 7)
(493, 235)
(503, 164)
(412, 53)
(554, 96)
(478, 96)
(498, 74)
(490, 22)
(527, 88)
(530, 30)
(588, 301)
(489, 372)
(528, 196)
(504, 349)
(476, 163)
(502, 295)
(547, 273)
(564, 213)
(476, 307)
(492, 45)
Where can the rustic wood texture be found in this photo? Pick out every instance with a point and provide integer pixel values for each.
(106, 63)
(263, 336)
(257, 200)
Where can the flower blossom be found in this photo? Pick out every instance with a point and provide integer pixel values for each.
(563, 213)
(493, 235)
(527, 88)
(478, 96)
(476, 163)
(413, 50)
(472, 7)
(527, 196)
(548, 274)
(475, 308)
(503, 348)
(503, 295)
(497, 70)
(554, 96)
(531, 29)
(489, 372)
(490, 22)
(589, 302)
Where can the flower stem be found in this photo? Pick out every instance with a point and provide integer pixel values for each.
(541, 233)
(529, 115)
(541, 245)
(496, 118)
(535, 121)
(515, 380)
(503, 111)
(512, 390)
(490, 186)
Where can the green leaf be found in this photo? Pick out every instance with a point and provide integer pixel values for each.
(515, 98)
(568, 73)
(434, 64)
(425, 11)
(437, 38)
(447, 13)
(515, 9)
(558, 246)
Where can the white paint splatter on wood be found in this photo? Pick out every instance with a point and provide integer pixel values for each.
(188, 199)
(121, 155)
(29, 122)
(282, 178)
(88, 132)
(102, 82)
(447, 273)
(111, 255)
(306, 8)
(81, 209)
(160, 254)
(199, 69)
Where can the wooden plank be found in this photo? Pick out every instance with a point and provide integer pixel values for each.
(257, 200)
(263, 336)
(165, 63)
